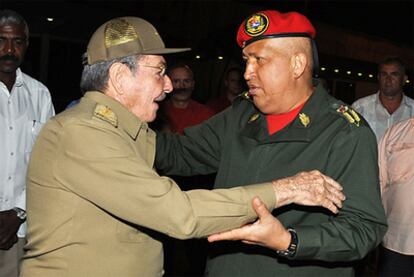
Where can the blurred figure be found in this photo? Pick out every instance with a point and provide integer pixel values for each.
(396, 162)
(25, 104)
(180, 109)
(234, 85)
(389, 105)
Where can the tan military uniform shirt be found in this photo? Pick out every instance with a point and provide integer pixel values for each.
(93, 197)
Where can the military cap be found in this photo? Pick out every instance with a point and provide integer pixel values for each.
(124, 36)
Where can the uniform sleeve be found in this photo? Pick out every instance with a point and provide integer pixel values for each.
(110, 174)
(361, 223)
(197, 152)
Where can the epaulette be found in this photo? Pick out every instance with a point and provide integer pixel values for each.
(348, 113)
(241, 98)
(105, 113)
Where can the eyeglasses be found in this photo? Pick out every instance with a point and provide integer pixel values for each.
(162, 68)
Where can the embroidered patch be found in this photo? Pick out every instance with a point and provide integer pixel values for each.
(105, 113)
(256, 24)
(304, 119)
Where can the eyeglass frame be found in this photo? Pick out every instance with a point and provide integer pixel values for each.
(162, 68)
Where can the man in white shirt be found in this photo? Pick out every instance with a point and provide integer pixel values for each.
(25, 104)
(396, 159)
(389, 105)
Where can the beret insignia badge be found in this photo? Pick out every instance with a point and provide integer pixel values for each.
(256, 24)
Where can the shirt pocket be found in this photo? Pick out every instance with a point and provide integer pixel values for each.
(400, 162)
(32, 130)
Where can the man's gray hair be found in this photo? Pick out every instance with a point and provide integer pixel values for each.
(95, 76)
(8, 17)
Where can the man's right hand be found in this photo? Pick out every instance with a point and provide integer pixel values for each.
(311, 189)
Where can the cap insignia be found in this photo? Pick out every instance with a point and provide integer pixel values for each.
(304, 119)
(105, 113)
(119, 31)
(253, 117)
(349, 114)
(256, 24)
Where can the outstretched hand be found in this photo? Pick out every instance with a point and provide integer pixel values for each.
(267, 231)
(311, 189)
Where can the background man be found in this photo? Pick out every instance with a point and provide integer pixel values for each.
(25, 104)
(93, 194)
(281, 126)
(180, 109)
(389, 105)
(396, 160)
(233, 86)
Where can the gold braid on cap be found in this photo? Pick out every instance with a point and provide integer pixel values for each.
(119, 31)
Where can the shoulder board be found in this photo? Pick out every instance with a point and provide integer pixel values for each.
(106, 114)
(347, 112)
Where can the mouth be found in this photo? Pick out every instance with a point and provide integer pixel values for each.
(253, 90)
(160, 97)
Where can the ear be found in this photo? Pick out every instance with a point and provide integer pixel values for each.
(298, 64)
(117, 75)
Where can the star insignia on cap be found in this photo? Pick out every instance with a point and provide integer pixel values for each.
(304, 119)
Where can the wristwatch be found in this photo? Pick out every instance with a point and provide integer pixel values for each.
(293, 246)
(20, 213)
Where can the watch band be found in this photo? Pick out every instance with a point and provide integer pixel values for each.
(20, 213)
(293, 246)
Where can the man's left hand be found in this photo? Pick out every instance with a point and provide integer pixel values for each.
(267, 231)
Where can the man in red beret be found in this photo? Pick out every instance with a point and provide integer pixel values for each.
(283, 125)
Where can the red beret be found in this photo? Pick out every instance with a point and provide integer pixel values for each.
(272, 24)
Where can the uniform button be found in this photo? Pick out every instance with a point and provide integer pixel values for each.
(9, 178)
(11, 127)
(9, 102)
(12, 153)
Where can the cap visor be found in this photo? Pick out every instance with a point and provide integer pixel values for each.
(165, 51)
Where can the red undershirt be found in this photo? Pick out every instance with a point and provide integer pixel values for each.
(277, 122)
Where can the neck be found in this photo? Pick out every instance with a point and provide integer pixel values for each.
(180, 104)
(8, 79)
(391, 103)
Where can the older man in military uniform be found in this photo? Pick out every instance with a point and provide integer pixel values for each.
(93, 195)
(281, 126)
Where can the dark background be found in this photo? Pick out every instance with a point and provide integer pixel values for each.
(208, 27)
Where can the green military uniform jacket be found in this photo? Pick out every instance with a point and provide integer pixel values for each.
(93, 195)
(327, 136)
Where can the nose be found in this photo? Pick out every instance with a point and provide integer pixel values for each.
(178, 83)
(7, 46)
(168, 87)
(248, 72)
